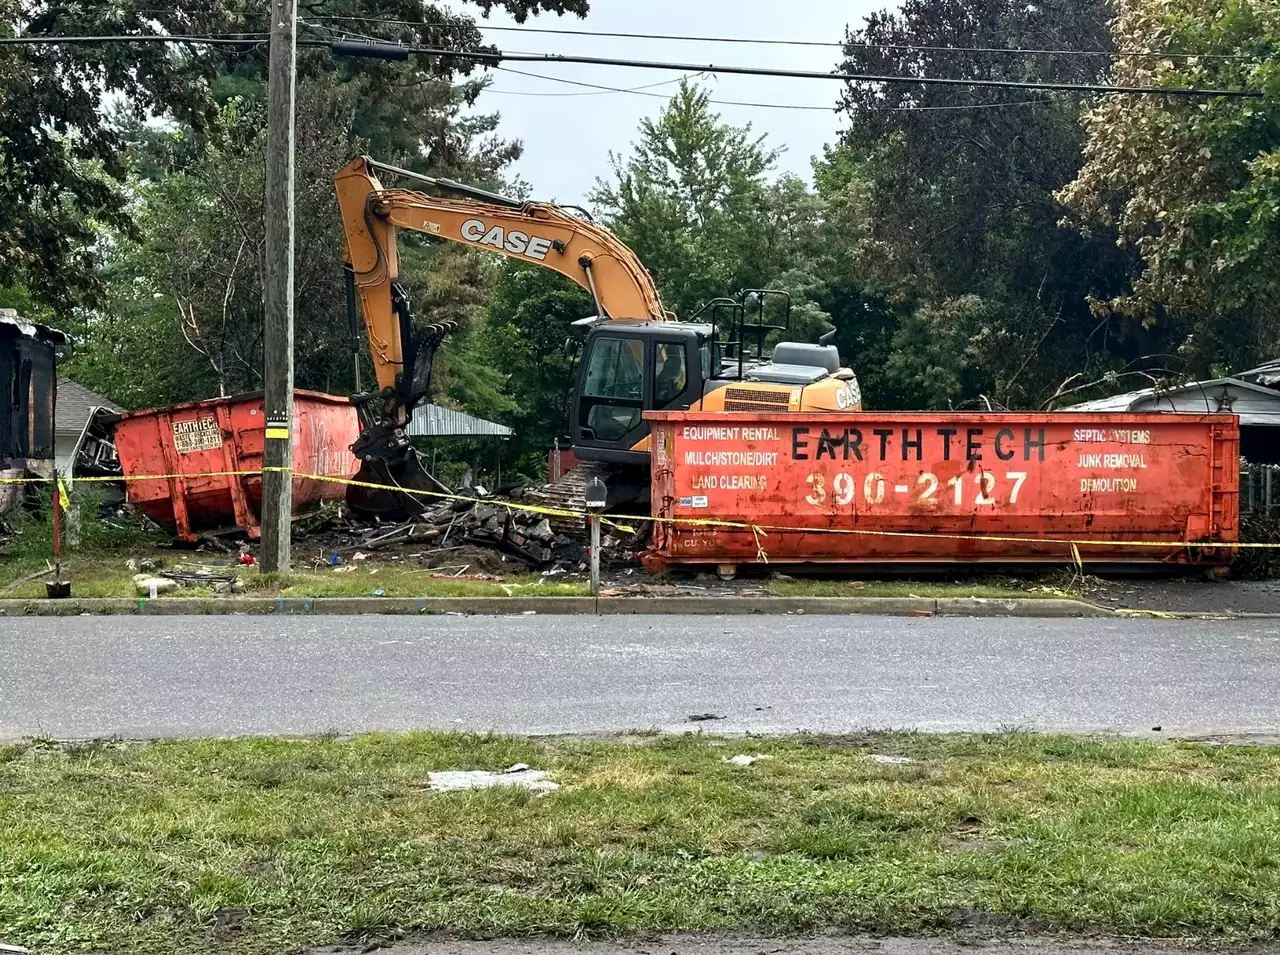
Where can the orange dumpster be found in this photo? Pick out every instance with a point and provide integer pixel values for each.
(190, 468)
(944, 488)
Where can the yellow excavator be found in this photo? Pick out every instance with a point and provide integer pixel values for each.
(636, 355)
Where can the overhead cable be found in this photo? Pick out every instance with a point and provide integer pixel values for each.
(598, 89)
(246, 39)
(848, 44)
(398, 51)
(499, 57)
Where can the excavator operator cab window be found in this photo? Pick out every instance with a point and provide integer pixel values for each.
(613, 389)
(670, 376)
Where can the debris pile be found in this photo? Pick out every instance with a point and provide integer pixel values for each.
(500, 526)
(150, 581)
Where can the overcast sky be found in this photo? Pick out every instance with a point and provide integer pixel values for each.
(567, 139)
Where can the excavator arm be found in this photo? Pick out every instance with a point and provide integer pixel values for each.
(541, 233)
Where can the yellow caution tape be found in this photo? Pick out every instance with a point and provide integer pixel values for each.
(757, 530)
(133, 478)
(64, 500)
(441, 495)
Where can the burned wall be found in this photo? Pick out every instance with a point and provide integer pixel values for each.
(28, 391)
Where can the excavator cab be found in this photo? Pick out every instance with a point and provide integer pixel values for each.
(628, 369)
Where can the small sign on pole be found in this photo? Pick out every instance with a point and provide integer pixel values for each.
(597, 493)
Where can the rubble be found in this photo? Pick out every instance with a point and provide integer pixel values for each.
(148, 586)
(149, 582)
(506, 529)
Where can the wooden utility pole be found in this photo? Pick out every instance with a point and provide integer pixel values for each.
(277, 485)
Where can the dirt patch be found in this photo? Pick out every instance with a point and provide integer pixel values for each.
(1186, 595)
(693, 944)
(229, 921)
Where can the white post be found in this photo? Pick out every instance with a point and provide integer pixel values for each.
(594, 520)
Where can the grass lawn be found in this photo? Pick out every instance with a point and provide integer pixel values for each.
(104, 574)
(95, 575)
(254, 846)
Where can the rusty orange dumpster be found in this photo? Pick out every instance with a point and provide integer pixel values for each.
(195, 467)
(928, 488)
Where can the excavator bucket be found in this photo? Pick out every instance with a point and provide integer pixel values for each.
(395, 489)
(392, 483)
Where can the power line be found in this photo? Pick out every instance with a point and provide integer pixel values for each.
(398, 51)
(906, 47)
(333, 34)
(595, 90)
(641, 91)
(486, 56)
(244, 39)
(599, 90)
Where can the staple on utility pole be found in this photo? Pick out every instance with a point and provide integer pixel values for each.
(277, 481)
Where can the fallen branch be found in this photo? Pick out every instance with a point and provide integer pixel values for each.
(26, 580)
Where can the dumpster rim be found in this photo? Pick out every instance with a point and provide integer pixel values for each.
(118, 416)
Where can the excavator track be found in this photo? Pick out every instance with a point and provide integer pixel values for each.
(626, 487)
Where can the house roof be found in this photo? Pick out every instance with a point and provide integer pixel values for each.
(434, 421)
(75, 404)
(1254, 404)
(1268, 373)
(10, 318)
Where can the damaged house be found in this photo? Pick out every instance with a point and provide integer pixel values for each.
(28, 370)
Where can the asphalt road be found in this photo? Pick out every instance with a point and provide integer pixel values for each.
(233, 675)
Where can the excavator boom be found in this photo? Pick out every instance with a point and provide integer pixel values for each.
(540, 233)
(535, 232)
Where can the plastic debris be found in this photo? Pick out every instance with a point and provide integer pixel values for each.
(519, 776)
(891, 760)
(148, 586)
(742, 759)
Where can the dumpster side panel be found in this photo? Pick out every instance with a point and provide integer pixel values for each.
(997, 487)
(186, 465)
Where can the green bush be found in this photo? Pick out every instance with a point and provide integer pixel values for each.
(32, 526)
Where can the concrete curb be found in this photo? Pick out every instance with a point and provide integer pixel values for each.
(508, 606)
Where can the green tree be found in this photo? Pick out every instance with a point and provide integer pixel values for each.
(690, 199)
(61, 160)
(955, 186)
(191, 275)
(530, 317)
(1193, 185)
